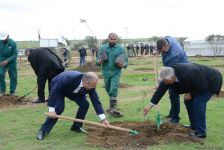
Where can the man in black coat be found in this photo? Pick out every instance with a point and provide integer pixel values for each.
(198, 82)
(46, 66)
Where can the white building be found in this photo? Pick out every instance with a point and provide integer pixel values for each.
(203, 48)
(48, 42)
(49, 38)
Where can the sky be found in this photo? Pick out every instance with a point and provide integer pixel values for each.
(194, 19)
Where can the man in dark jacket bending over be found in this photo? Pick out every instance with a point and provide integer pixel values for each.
(198, 82)
(46, 66)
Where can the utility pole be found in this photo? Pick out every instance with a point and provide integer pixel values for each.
(84, 21)
(126, 35)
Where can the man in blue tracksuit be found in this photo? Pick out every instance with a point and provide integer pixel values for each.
(73, 85)
(172, 53)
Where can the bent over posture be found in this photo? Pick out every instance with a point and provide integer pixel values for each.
(73, 85)
(46, 66)
(198, 82)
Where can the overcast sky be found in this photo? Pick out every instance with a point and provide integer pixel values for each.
(128, 18)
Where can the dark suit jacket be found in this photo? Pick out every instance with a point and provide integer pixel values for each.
(45, 64)
(64, 84)
(193, 78)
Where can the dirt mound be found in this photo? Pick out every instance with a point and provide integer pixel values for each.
(148, 135)
(221, 94)
(124, 85)
(8, 101)
(89, 66)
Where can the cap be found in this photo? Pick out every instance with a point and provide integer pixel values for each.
(3, 35)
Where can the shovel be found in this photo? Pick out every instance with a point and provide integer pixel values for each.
(155, 69)
(132, 132)
(19, 99)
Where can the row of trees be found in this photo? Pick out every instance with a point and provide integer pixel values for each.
(216, 42)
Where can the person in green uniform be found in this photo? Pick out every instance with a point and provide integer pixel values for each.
(8, 58)
(112, 58)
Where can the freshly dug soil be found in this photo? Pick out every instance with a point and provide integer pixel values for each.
(148, 135)
(8, 101)
(89, 66)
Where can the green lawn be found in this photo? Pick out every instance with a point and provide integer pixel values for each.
(18, 126)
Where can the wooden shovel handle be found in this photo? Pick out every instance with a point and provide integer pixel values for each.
(91, 122)
(155, 68)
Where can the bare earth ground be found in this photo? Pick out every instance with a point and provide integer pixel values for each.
(148, 135)
(8, 101)
(221, 94)
(89, 66)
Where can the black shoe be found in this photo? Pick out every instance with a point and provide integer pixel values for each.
(174, 120)
(188, 127)
(194, 134)
(41, 135)
(78, 130)
(115, 113)
(39, 101)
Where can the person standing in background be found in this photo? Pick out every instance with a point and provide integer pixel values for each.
(8, 61)
(46, 66)
(82, 54)
(112, 58)
(65, 55)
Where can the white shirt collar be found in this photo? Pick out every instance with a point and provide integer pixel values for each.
(78, 88)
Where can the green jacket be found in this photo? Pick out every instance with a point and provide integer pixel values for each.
(8, 51)
(109, 67)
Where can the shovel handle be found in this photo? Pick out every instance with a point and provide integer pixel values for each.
(155, 67)
(91, 122)
(19, 99)
(31, 91)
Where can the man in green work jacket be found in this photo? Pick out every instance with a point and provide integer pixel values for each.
(8, 56)
(112, 58)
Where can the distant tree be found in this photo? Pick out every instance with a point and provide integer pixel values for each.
(153, 39)
(67, 41)
(91, 41)
(76, 46)
(216, 42)
(181, 39)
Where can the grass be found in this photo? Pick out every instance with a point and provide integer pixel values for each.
(18, 126)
